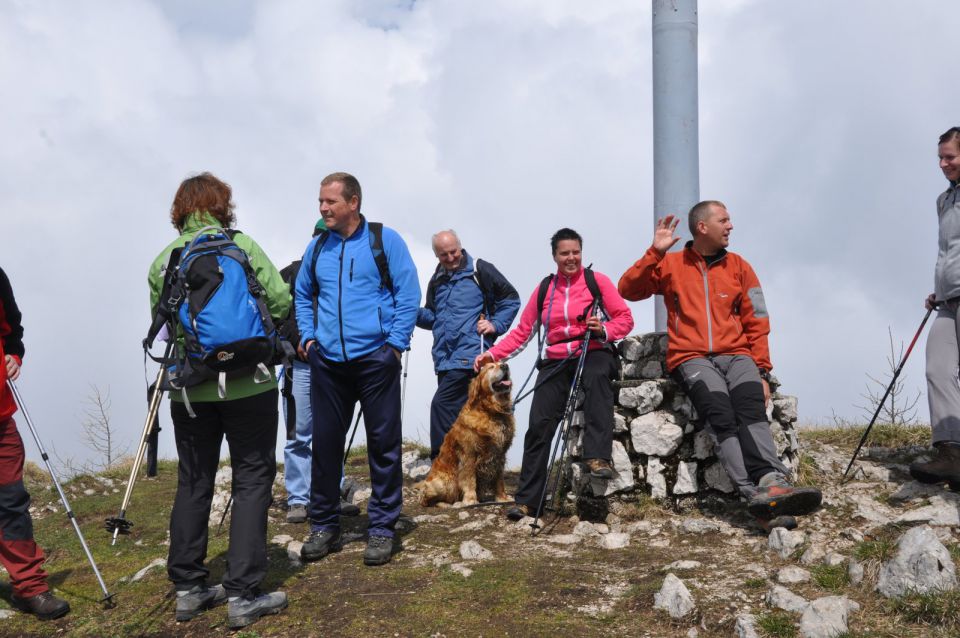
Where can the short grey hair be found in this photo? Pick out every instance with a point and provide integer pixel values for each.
(699, 213)
(436, 236)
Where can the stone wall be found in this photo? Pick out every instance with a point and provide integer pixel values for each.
(658, 446)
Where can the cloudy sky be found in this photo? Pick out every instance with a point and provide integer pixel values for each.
(504, 119)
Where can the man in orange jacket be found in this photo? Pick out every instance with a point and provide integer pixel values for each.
(717, 327)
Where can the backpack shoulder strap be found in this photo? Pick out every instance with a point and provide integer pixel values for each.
(321, 238)
(431, 295)
(542, 294)
(591, 280)
(379, 255)
(481, 275)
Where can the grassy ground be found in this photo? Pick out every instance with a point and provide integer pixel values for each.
(531, 586)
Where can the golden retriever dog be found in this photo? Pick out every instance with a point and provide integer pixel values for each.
(474, 451)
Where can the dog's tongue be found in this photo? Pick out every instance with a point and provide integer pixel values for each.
(505, 383)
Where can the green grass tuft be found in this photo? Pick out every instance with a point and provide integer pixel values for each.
(777, 624)
(941, 609)
(832, 578)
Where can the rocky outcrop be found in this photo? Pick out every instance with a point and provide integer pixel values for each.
(659, 447)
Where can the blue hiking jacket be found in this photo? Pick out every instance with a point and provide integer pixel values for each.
(355, 315)
(458, 302)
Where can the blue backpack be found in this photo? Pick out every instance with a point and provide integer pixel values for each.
(212, 295)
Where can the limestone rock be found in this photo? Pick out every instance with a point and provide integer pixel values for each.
(686, 478)
(716, 478)
(472, 550)
(585, 528)
(680, 565)
(633, 348)
(651, 370)
(793, 575)
(784, 542)
(461, 569)
(564, 539)
(855, 572)
(826, 617)
(614, 540)
(156, 562)
(619, 423)
(834, 559)
(644, 398)
(698, 526)
(746, 626)
(813, 555)
(702, 445)
(674, 597)
(942, 510)
(785, 409)
(782, 598)
(293, 551)
(922, 564)
(656, 433)
(655, 478)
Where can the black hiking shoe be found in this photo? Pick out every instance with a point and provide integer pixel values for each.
(319, 544)
(199, 599)
(519, 511)
(943, 468)
(297, 514)
(348, 509)
(786, 522)
(379, 550)
(783, 499)
(242, 612)
(600, 468)
(44, 606)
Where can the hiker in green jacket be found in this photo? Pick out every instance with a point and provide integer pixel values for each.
(246, 414)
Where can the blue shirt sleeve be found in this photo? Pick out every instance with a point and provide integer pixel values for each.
(406, 289)
(303, 296)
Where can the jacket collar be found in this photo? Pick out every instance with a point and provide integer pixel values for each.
(697, 257)
(197, 220)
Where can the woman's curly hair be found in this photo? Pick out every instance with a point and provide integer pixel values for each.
(203, 192)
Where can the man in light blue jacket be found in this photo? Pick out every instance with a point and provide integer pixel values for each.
(357, 296)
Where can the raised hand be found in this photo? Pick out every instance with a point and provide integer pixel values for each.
(663, 237)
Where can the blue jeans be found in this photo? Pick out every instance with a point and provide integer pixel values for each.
(297, 454)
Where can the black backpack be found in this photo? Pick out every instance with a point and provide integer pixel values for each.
(592, 286)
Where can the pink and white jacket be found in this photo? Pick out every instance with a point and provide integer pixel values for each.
(571, 298)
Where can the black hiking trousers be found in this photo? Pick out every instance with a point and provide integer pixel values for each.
(250, 427)
(599, 369)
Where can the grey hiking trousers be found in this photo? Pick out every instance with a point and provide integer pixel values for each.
(727, 392)
(943, 362)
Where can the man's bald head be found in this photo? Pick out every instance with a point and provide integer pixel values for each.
(447, 248)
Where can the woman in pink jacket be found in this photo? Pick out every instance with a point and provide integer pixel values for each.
(567, 301)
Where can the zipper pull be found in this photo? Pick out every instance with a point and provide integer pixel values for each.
(351, 269)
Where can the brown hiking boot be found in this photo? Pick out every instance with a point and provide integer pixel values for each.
(44, 606)
(943, 468)
(519, 511)
(600, 468)
(783, 499)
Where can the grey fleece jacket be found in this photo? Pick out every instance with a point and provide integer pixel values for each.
(946, 282)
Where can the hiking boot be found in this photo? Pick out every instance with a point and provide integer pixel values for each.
(379, 550)
(786, 522)
(297, 514)
(600, 468)
(242, 612)
(320, 543)
(518, 512)
(348, 509)
(783, 499)
(44, 606)
(199, 599)
(943, 468)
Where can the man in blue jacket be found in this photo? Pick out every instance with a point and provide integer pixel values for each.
(357, 296)
(469, 304)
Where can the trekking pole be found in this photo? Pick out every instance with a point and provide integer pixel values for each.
(107, 596)
(565, 420)
(480, 334)
(223, 516)
(153, 440)
(896, 373)
(403, 384)
(119, 524)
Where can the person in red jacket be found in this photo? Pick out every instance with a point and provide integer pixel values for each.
(717, 327)
(19, 553)
(564, 314)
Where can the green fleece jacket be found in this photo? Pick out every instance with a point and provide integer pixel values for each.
(277, 297)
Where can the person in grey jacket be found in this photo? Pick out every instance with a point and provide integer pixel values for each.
(943, 354)
(469, 304)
